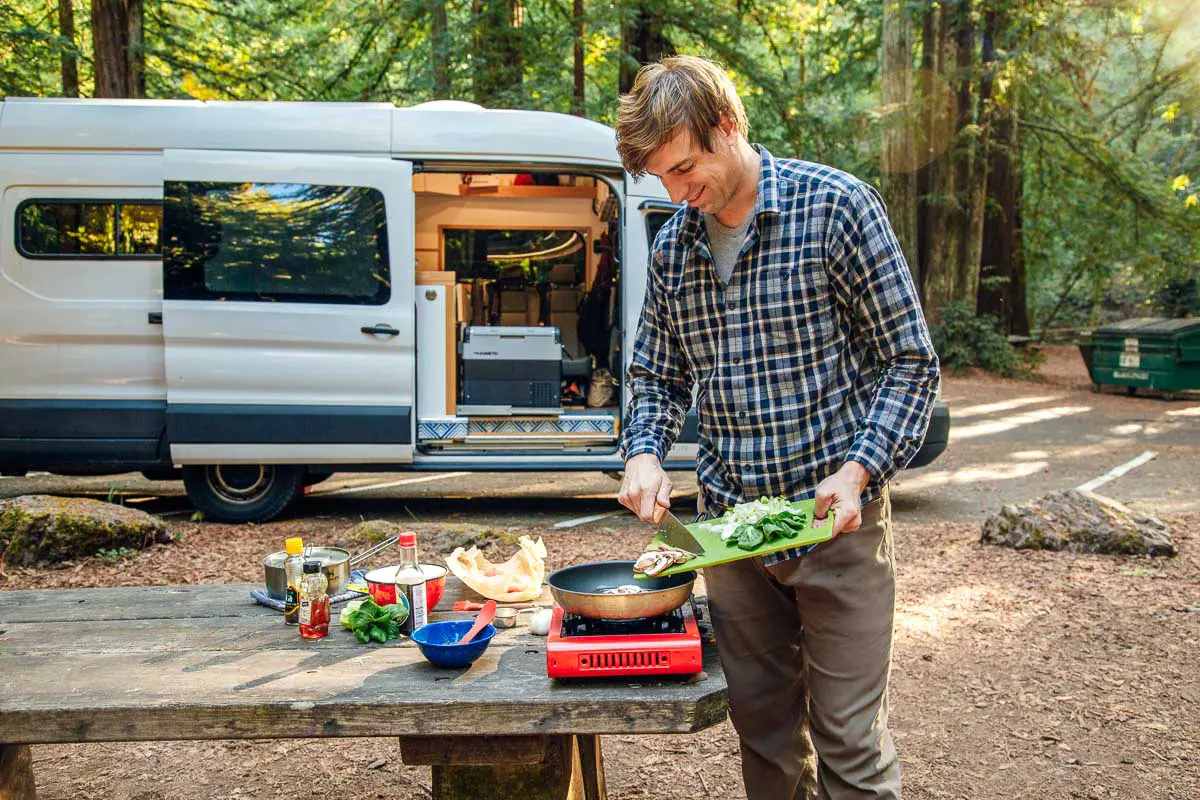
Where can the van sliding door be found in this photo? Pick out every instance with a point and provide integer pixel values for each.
(288, 308)
(647, 208)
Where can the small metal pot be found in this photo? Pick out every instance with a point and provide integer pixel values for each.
(581, 590)
(335, 563)
(505, 617)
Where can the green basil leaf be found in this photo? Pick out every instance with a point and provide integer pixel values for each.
(361, 636)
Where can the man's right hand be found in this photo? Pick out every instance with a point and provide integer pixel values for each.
(645, 489)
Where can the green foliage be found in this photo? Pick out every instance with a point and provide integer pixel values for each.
(964, 339)
(1107, 96)
(115, 556)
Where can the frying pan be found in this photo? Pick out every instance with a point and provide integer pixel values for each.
(579, 590)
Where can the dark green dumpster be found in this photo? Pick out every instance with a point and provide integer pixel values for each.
(1146, 353)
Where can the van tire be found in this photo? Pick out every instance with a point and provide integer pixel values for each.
(243, 492)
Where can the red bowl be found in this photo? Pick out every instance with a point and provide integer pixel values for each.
(381, 584)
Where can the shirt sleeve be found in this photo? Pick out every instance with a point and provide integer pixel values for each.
(660, 384)
(875, 283)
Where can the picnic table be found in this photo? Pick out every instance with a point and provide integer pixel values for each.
(204, 662)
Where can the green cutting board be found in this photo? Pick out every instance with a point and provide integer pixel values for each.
(716, 551)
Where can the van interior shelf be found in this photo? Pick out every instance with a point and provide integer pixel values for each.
(506, 411)
(584, 192)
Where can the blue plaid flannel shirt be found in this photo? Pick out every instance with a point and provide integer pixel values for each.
(815, 353)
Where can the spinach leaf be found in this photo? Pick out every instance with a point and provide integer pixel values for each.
(769, 528)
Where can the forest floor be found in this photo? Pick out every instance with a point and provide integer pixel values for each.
(1016, 674)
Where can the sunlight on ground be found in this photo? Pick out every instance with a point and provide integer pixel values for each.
(1190, 411)
(1104, 449)
(1014, 421)
(937, 613)
(999, 471)
(1006, 405)
(1030, 455)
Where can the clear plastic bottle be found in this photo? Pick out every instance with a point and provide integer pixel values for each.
(314, 602)
(410, 582)
(293, 568)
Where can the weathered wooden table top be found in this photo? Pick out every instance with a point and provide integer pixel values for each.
(206, 662)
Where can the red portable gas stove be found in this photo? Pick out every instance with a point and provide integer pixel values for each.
(581, 647)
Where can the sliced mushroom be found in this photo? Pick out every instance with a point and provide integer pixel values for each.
(645, 560)
(661, 562)
(659, 557)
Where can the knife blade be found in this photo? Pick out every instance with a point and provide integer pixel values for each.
(676, 534)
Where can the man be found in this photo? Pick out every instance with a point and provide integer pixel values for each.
(779, 293)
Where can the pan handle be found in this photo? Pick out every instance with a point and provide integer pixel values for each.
(376, 550)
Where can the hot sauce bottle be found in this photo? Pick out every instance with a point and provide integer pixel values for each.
(314, 602)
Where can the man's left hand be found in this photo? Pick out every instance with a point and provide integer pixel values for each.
(842, 492)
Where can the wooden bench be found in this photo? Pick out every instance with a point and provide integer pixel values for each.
(204, 662)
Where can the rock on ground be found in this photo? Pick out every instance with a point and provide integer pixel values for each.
(1081, 522)
(441, 541)
(37, 529)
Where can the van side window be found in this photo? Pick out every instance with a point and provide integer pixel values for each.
(275, 242)
(655, 219)
(88, 228)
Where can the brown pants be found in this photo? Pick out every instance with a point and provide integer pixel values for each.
(806, 646)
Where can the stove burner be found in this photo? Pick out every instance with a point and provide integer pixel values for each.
(579, 647)
(575, 625)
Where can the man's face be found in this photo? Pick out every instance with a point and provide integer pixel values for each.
(695, 176)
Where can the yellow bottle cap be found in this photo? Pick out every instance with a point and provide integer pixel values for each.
(294, 546)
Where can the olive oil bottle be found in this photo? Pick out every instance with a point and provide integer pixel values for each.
(410, 582)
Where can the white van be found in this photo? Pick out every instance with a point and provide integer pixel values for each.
(254, 295)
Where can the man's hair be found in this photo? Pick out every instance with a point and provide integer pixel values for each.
(680, 93)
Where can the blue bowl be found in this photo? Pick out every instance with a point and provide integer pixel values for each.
(438, 642)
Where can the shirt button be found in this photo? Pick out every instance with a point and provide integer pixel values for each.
(737, 360)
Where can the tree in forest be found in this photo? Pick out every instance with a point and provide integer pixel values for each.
(898, 155)
(579, 100)
(1040, 159)
(439, 41)
(118, 55)
(70, 56)
(497, 58)
(643, 40)
(1002, 284)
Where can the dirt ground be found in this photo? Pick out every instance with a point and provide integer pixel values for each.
(1015, 674)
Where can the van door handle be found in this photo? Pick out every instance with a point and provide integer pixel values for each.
(382, 328)
(154, 318)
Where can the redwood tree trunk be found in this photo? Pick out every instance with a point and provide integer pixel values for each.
(578, 103)
(439, 30)
(942, 217)
(945, 183)
(898, 156)
(642, 41)
(70, 58)
(1002, 280)
(117, 48)
(977, 161)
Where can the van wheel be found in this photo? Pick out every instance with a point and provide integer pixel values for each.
(243, 492)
